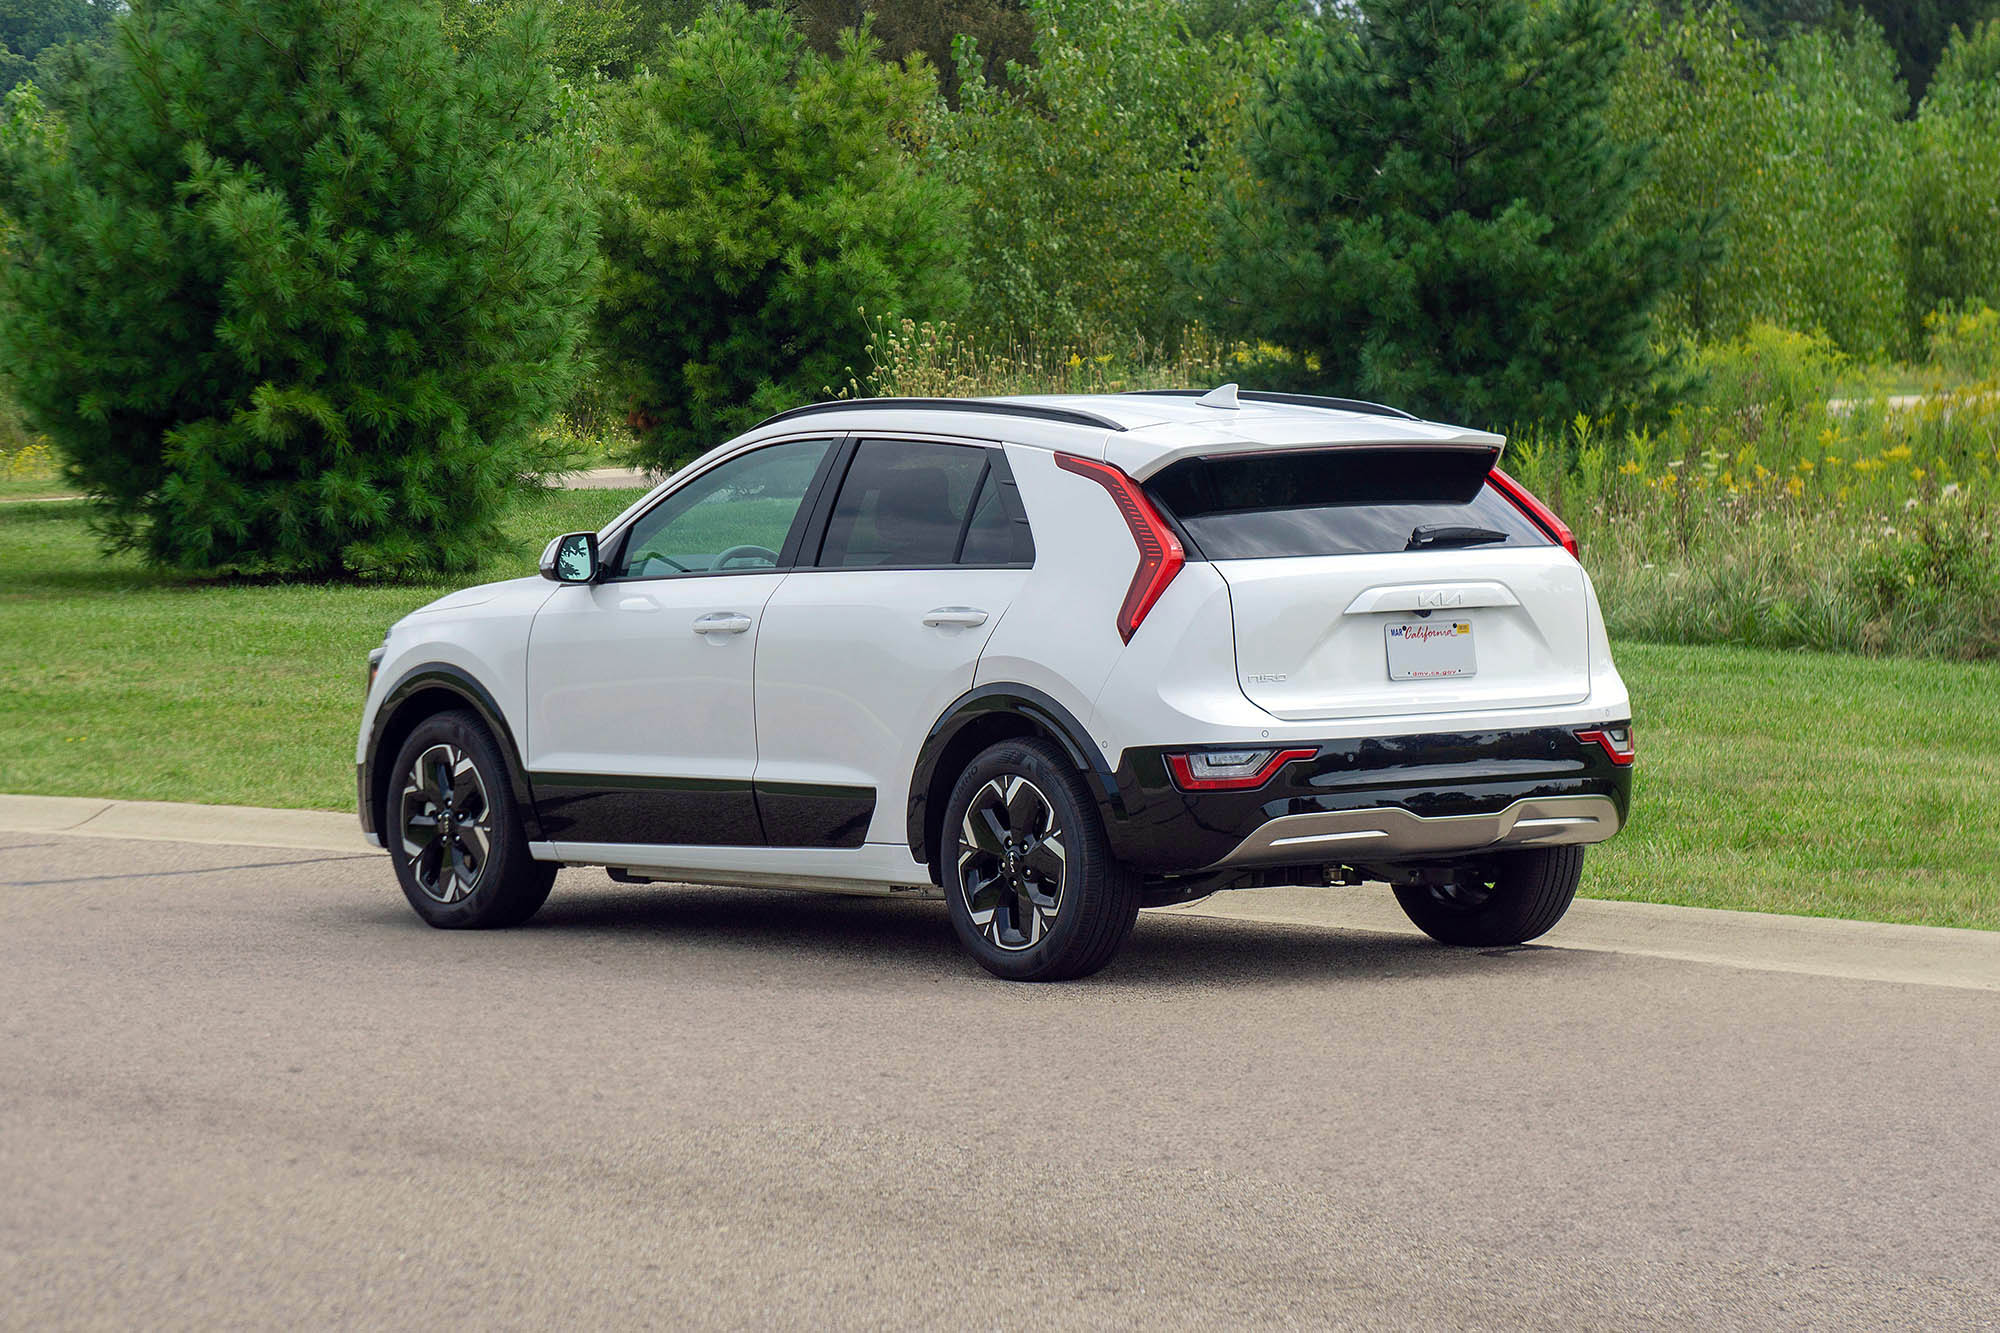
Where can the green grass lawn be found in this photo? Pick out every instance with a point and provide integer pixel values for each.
(1784, 782)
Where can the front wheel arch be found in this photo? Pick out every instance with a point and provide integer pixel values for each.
(423, 692)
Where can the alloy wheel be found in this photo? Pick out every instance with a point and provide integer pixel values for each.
(447, 823)
(1011, 863)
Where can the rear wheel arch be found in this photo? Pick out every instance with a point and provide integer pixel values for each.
(425, 691)
(976, 720)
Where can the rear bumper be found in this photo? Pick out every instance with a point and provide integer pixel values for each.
(1399, 798)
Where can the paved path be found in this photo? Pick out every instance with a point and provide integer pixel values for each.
(242, 1085)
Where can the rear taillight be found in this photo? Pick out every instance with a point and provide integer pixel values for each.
(1616, 742)
(1538, 513)
(1160, 553)
(1229, 770)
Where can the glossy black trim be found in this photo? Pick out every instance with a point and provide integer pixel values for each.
(389, 719)
(1157, 828)
(595, 807)
(1068, 416)
(1037, 713)
(366, 806)
(814, 814)
(701, 812)
(1360, 405)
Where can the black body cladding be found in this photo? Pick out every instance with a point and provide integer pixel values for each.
(1158, 828)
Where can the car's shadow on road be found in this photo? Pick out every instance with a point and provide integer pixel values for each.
(908, 939)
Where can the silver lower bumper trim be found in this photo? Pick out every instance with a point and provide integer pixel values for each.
(1390, 833)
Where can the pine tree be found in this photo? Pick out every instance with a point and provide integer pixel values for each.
(295, 282)
(1439, 216)
(759, 197)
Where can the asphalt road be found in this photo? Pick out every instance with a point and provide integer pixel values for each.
(244, 1086)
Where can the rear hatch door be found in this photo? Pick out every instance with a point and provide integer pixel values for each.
(1376, 581)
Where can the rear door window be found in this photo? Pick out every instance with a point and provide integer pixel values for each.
(1340, 502)
(908, 504)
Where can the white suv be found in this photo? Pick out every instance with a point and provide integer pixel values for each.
(1055, 659)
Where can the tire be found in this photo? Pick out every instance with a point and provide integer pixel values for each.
(451, 760)
(1025, 794)
(1510, 898)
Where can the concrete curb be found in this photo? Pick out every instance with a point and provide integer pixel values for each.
(1765, 942)
(1814, 946)
(165, 821)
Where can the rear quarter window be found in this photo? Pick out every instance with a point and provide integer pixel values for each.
(1336, 502)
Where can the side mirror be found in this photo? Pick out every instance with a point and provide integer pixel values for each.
(571, 558)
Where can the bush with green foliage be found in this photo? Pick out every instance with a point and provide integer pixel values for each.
(302, 284)
(1953, 242)
(758, 197)
(1443, 216)
(1092, 172)
(1788, 165)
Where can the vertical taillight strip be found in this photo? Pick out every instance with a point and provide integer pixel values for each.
(1538, 513)
(1160, 552)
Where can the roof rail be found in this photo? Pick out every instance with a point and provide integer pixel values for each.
(1068, 416)
(1294, 399)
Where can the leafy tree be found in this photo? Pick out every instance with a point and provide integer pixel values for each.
(29, 28)
(1953, 253)
(1789, 165)
(299, 286)
(1092, 174)
(758, 196)
(1919, 30)
(1441, 216)
(1003, 29)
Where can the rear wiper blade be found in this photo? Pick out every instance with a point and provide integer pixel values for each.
(1448, 534)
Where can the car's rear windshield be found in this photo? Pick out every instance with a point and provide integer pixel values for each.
(1340, 502)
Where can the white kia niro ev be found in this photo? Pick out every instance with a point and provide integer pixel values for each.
(1053, 659)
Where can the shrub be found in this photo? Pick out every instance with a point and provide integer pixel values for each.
(757, 196)
(297, 315)
(1442, 217)
(937, 360)
(1091, 172)
(1965, 344)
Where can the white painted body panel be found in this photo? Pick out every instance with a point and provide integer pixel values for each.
(1311, 630)
(483, 631)
(1060, 636)
(622, 684)
(849, 677)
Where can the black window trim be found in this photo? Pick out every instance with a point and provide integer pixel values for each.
(838, 444)
(815, 534)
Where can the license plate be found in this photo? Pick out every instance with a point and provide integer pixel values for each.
(1430, 649)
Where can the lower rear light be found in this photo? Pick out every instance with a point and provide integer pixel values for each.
(1616, 742)
(1160, 553)
(1229, 770)
(1538, 513)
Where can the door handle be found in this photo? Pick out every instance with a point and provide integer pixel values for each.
(722, 622)
(955, 615)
